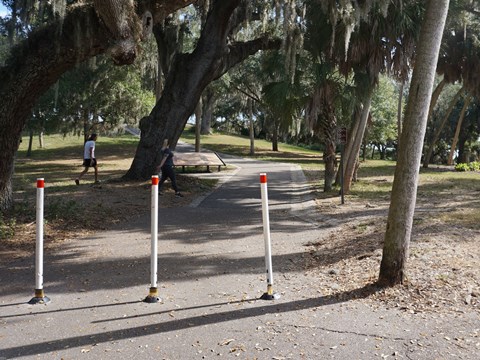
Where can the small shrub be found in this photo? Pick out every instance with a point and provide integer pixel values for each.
(474, 166)
(462, 167)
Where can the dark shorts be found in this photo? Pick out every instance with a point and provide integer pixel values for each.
(89, 162)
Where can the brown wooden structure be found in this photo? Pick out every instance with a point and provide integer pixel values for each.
(196, 159)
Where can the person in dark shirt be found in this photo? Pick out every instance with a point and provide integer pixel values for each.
(166, 167)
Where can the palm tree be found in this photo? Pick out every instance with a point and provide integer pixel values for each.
(453, 148)
(404, 191)
(282, 96)
(383, 41)
(459, 62)
(321, 114)
(439, 128)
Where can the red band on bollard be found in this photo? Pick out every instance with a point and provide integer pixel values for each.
(263, 178)
(40, 183)
(155, 180)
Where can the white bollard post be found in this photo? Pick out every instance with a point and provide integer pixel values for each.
(39, 297)
(153, 293)
(269, 295)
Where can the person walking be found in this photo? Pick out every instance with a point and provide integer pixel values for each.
(166, 167)
(89, 159)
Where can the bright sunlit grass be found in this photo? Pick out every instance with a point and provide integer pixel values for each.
(240, 146)
(61, 160)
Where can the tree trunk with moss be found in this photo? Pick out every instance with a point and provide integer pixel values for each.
(188, 76)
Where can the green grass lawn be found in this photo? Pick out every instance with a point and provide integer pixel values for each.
(60, 161)
(72, 210)
(375, 177)
(240, 146)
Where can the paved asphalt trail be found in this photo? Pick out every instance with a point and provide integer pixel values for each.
(211, 274)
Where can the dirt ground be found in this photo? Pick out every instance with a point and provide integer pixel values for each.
(89, 209)
(444, 264)
(443, 268)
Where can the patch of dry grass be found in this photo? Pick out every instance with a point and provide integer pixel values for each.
(73, 211)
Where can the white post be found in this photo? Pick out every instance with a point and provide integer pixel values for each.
(39, 294)
(269, 295)
(153, 293)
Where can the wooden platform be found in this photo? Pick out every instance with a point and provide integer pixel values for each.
(197, 159)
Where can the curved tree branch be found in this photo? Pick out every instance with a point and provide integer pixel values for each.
(37, 63)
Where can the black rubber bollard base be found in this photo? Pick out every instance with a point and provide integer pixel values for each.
(152, 299)
(267, 296)
(39, 300)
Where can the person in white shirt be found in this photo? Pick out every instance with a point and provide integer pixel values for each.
(89, 158)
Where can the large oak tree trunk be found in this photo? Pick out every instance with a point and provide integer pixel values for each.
(404, 190)
(124, 26)
(188, 76)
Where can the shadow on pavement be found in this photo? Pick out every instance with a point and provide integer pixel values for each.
(187, 323)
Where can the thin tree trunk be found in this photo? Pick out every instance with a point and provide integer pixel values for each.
(198, 124)
(463, 151)
(350, 139)
(30, 142)
(251, 128)
(353, 132)
(357, 142)
(40, 139)
(329, 155)
(404, 190)
(275, 136)
(329, 129)
(208, 101)
(438, 131)
(435, 95)
(85, 125)
(468, 99)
